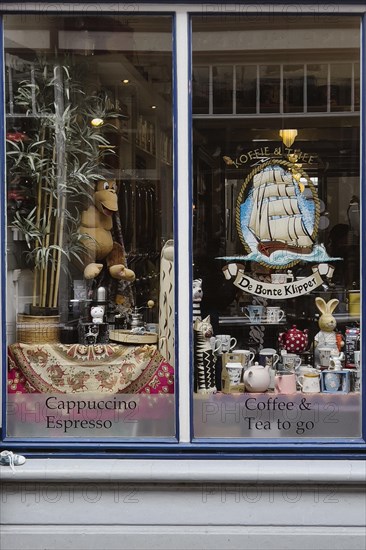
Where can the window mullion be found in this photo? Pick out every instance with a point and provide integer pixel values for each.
(183, 219)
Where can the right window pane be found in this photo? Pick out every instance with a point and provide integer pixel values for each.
(276, 261)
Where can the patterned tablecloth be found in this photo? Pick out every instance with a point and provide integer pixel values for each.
(103, 368)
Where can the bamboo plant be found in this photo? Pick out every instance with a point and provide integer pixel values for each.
(62, 160)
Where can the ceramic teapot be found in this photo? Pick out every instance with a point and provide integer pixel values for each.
(257, 378)
(294, 340)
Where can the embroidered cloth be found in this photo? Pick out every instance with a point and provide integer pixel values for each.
(103, 368)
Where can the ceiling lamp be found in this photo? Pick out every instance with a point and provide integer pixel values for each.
(288, 136)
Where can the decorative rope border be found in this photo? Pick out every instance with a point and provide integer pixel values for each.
(249, 178)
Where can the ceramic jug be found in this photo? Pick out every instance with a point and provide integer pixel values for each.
(257, 378)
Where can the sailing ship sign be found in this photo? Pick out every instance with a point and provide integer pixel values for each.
(277, 223)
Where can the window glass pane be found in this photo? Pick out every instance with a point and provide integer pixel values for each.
(276, 237)
(222, 82)
(246, 89)
(340, 86)
(356, 96)
(90, 227)
(200, 86)
(269, 88)
(317, 87)
(293, 88)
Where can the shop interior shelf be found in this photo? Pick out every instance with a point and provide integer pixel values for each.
(233, 320)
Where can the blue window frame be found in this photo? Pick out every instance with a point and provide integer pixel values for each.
(190, 441)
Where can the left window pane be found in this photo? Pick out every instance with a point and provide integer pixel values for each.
(90, 249)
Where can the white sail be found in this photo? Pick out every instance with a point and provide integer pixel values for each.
(257, 211)
(290, 230)
(275, 214)
(276, 175)
(275, 190)
(283, 207)
(264, 220)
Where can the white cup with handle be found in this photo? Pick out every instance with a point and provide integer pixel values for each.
(225, 342)
(268, 356)
(274, 314)
(246, 356)
(309, 382)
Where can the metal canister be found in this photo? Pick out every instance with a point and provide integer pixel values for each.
(136, 319)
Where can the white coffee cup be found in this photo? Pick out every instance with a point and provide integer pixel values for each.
(255, 313)
(275, 314)
(291, 361)
(226, 342)
(325, 354)
(309, 382)
(303, 369)
(235, 372)
(216, 345)
(268, 356)
(246, 356)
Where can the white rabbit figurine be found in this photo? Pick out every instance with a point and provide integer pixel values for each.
(326, 336)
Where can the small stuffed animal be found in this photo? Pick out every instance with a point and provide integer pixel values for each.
(327, 323)
(97, 314)
(96, 230)
(197, 295)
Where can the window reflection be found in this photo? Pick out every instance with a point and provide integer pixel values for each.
(317, 87)
(246, 89)
(90, 225)
(270, 92)
(276, 234)
(293, 88)
(222, 81)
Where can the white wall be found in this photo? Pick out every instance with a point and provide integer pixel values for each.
(126, 504)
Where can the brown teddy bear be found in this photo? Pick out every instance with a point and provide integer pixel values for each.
(96, 224)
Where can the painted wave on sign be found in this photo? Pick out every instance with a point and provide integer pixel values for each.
(280, 257)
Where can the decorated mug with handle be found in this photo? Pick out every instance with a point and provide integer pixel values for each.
(223, 343)
(291, 361)
(246, 356)
(309, 382)
(255, 313)
(275, 314)
(268, 356)
(285, 382)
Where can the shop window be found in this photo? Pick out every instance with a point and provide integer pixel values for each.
(90, 248)
(90, 261)
(276, 230)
